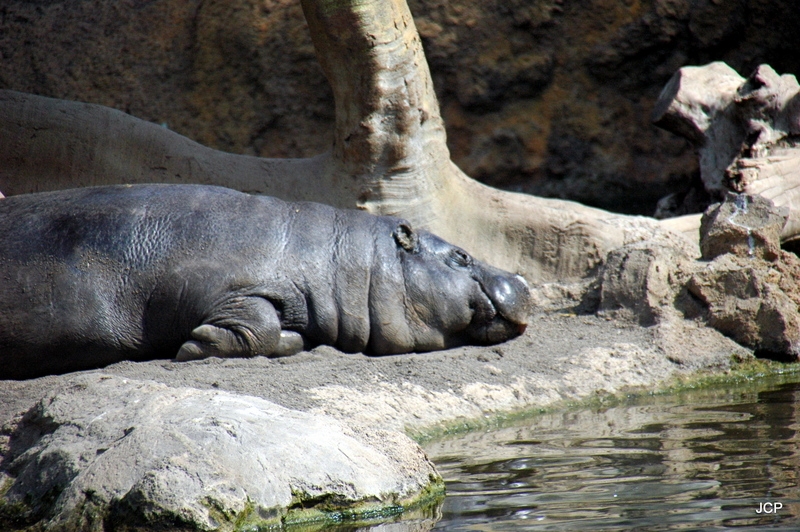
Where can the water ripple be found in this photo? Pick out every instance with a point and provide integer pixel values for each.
(705, 461)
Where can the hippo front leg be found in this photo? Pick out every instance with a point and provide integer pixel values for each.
(242, 326)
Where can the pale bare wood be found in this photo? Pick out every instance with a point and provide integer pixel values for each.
(389, 154)
(51, 144)
(390, 135)
(745, 131)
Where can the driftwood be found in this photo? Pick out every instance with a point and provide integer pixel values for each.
(389, 154)
(745, 130)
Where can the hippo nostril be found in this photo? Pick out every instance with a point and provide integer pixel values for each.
(511, 296)
(502, 289)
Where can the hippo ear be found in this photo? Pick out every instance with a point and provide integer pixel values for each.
(406, 238)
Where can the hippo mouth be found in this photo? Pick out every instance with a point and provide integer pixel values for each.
(502, 310)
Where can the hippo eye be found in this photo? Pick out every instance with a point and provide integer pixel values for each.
(459, 257)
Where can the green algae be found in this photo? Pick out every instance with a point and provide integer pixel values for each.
(743, 372)
(23, 514)
(306, 514)
(13, 515)
(309, 513)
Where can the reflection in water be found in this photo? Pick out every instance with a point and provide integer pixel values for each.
(702, 461)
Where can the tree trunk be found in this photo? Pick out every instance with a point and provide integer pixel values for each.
(389, 154)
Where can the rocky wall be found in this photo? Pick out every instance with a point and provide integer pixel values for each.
(544, 96)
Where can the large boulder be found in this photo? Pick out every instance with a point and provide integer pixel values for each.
(753, 301)
(104, 451)
(743, 285)
(638, 281)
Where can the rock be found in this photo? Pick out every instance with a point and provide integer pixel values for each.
(641, 281)
(749, 299)
(104, 451)
(696, 104)
(753, 301)
(695, 346)
(748, 291)
(694, 199)
(747, 226)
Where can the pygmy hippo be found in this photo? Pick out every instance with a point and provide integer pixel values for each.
(97, 275)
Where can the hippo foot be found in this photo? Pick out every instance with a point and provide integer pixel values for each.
(290, 344)
(211, 341)
(208, 341)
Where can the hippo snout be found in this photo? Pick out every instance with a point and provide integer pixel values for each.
(511, 297)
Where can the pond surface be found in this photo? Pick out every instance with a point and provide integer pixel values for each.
(710, 460)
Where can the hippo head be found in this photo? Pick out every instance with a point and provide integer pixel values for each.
(435, 295)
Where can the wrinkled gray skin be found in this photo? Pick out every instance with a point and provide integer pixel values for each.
(93, 276)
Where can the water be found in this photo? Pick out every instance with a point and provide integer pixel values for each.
(713, 460)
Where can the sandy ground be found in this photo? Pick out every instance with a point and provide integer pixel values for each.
(561, 356)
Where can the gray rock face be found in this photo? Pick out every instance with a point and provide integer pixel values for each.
(745, 287)
(745, 225)
(104, 451)
(753, 301)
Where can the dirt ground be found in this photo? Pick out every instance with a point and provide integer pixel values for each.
(561, 357)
